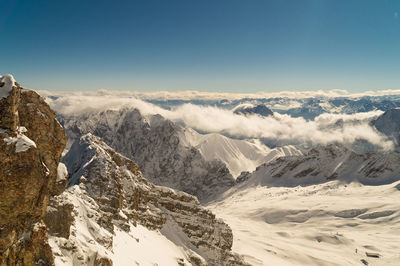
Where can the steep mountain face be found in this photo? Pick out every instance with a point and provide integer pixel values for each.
(389, 124)
(31, 143)
(156, 145)
(325, 163)
(247, 109)
(115, 216)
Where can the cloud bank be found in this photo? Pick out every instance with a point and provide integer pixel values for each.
(198, 95)
(326, 128)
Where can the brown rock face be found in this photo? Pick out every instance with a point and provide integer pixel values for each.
(31, 143)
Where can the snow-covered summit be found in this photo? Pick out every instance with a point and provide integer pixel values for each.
(7, 82)
(248, 108)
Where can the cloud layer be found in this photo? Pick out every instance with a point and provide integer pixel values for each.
(198, 95)
(326, 128)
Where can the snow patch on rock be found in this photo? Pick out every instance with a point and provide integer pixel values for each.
(62, 172)
(22, 142)
(7, 82)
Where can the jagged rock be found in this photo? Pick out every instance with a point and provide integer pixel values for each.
(155, 143)
(31, 143)
(58, 218)
(115, 196)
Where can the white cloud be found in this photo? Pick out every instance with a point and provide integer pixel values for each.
(323, 130)
(198, 95)
(396, 15)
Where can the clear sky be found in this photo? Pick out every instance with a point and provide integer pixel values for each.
(232, 45)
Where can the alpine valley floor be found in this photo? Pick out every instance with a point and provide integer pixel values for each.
(326, 224)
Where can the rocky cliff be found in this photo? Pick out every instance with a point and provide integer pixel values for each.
(31, 143)
(109, 205)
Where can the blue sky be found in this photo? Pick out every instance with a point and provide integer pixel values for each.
(227, 46)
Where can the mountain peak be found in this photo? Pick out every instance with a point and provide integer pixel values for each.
(247, 109)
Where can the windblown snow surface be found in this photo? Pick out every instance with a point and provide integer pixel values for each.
(326, 224)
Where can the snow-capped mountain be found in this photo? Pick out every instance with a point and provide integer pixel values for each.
(248, 109)
(111, 215)
(389, 124)
(158, 146)
(237, 154)
(325, 163)
(308, 107)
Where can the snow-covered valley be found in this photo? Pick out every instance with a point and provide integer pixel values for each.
(327, 224)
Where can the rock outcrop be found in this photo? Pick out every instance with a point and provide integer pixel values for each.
(31, 143)
(156, 145)
(110, 197)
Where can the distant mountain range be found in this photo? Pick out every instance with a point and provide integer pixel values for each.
(308, 108)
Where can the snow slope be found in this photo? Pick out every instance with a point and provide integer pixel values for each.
(90, 243)
(325, 163)
(325, 224)
(326, 207)
(238, 155)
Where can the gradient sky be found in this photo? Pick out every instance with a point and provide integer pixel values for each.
(232, 45)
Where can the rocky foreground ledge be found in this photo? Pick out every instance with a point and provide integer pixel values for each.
(31, 143)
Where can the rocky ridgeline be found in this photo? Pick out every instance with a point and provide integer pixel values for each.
(31, 143)
(155, 144)
(326, 163)
(107, 193)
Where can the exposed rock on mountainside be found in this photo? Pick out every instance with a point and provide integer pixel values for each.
(248, 109)
(111, 201)
(31, 143)
(155, 143)
(330, 162)
(389, 124)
